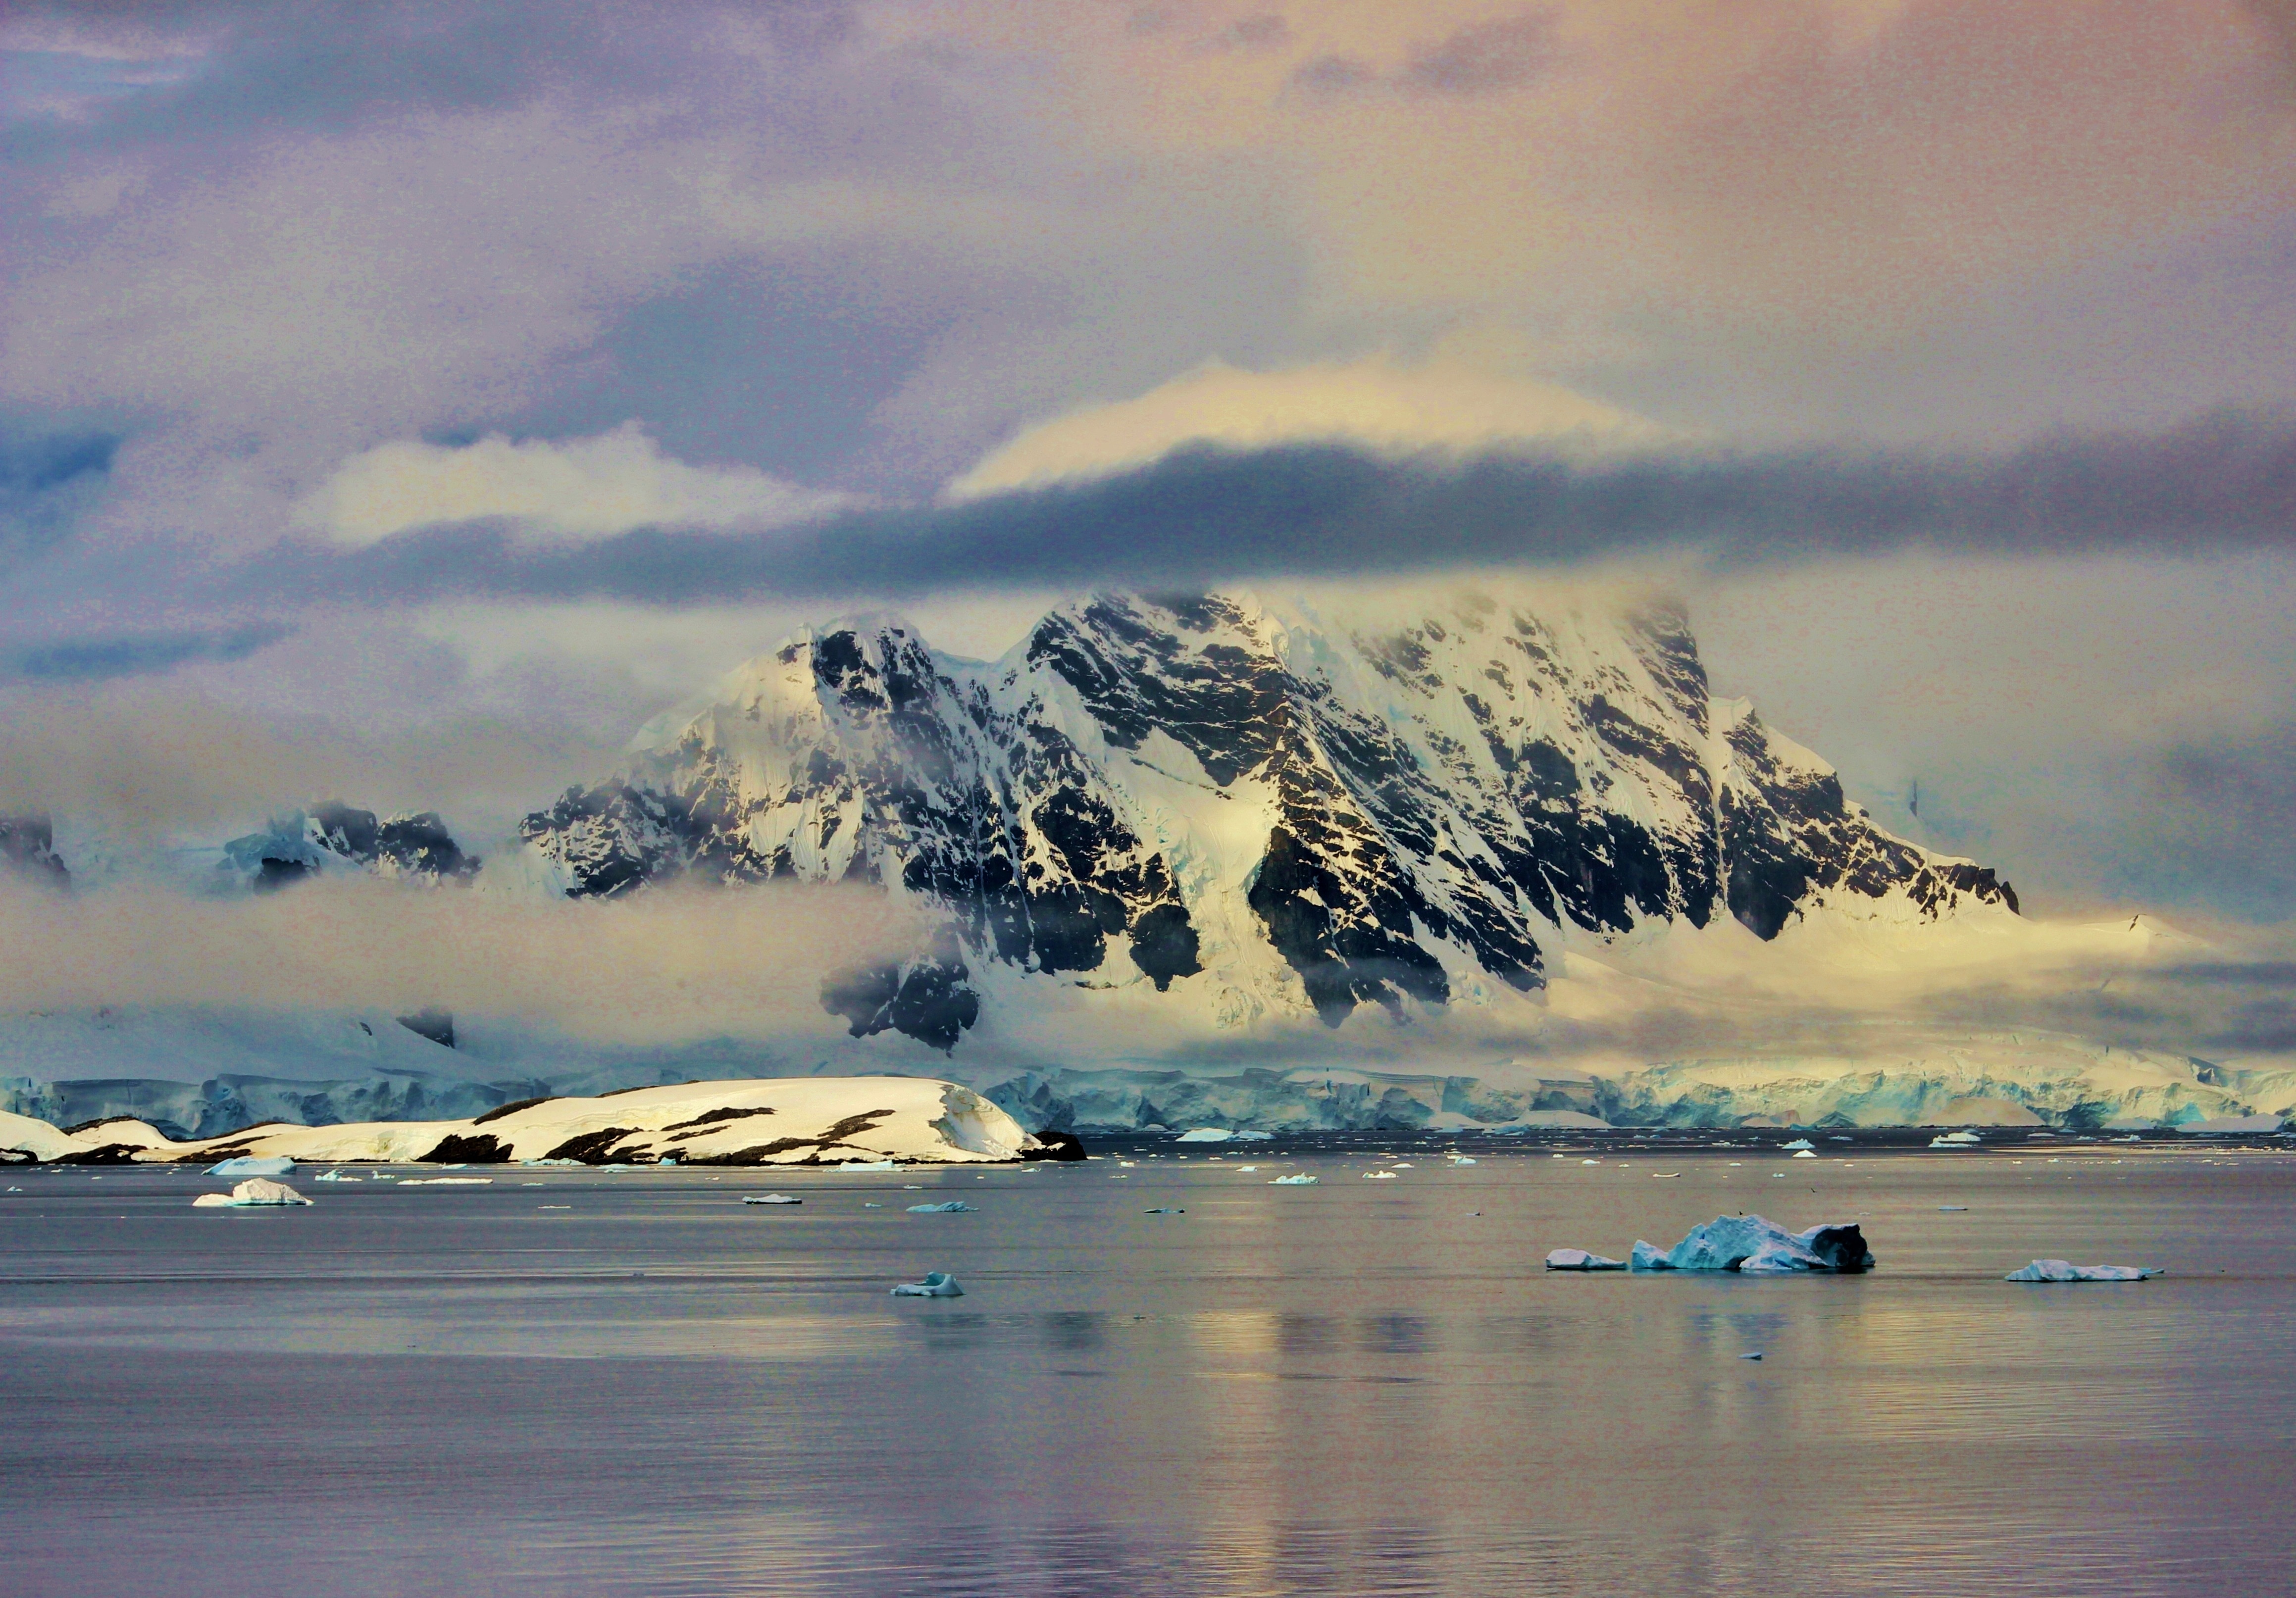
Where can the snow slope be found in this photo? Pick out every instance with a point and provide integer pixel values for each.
(811, 1121)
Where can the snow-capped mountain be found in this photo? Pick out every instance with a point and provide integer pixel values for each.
(1254, 808)
(332, 836)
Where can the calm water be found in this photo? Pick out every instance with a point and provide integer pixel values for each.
(1361, 1387)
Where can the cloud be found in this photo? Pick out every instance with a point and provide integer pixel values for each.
(1479, 58)
(47, 480)
(667, 967)
(83, 659)
(569, 491)
(1205, 514)
(1376, 402)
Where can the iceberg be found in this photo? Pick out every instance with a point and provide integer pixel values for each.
(336, 1176)
(1160, 1210)
(1205, 1134)
(1254, 1137)
(1301, 1180)
(1799, 1143)
(937, 1284)
(1754, 1246)
(446, 1182)
(1379, 1176)
(954, 1207)
(1804, 1153)
(771, 1199)
(251, 1194)
(253, 1165)
(1955, 1140)
(870, 1165)
(1578, 1259)
(2059, 1270)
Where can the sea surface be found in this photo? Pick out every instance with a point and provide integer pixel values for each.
(578, 1382)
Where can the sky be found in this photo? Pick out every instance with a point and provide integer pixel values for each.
(404, 402)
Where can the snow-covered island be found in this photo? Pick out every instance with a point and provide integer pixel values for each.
(814, 1121)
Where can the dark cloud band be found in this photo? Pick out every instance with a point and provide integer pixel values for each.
(1206, 515)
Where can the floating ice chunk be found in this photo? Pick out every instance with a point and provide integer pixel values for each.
(1757, 1353)
(771, 1199)
(1951, 1209)
(2059, 1270)
(937, 1284)
(871, 1165)
(1300, 1180)
(336, 1176)
(1379, 1176)
(253, 1165)
(1205, 1134)
(1402, 1165)
(448, 1182)
(1161, 1210)
(1239, 1170)
(1578, 1259)
(251, 1195)
(954, 1207)
(1590, 1162)
(1804, 1153)
(1799, 1143)
(1255, 1137)
(1665, 1175)
(1749, 1243)
(1461, 1159)
(1955, 1140)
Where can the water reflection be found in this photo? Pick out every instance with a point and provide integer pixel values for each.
(1341, 1393)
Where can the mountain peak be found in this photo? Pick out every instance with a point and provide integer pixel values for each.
(1345, 798)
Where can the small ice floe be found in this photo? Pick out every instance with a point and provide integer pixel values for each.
(871, 1165)
(554, 1207)
(937, 1284)
(1301, 1179)
(1578, 1259)
(1461, 1160)
(1205, 1134)
(954, 1207)
(1590, 1162)
(251, 1195)
(1955, 1140)
(1664, 1175)
(1255, 1137)
(771, 1199)
(1402, 1166)
(1951, 1209)
(336, 1176)
(1757, 1353)
(448, 1182)
(1756, 1247)
(2059, 1270)
(1804, 1153)
(550, 1162)
(1159, 1210)
(1799, 1143)
(253, 1165)
(1379, 1176)
(1239, 1170)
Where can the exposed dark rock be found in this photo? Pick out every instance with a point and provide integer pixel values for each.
(28, 850)
(469, 1148)
(1052, 1145)
(591, 1148)
(512, 1108)
(436, 1024)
